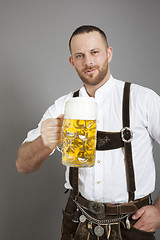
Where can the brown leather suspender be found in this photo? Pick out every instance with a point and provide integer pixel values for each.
(73, 172)
(127, 137)
(109, 140)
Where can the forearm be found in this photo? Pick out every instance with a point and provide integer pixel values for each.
(31, 155)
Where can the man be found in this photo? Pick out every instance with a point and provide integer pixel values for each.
(111, 200)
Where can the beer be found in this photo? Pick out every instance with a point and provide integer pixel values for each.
(79, 132)
(79, 142)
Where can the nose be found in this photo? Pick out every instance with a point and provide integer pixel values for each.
(88, 60)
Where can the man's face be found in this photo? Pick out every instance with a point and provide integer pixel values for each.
(90, 57)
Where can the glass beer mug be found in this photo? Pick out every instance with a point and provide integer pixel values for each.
(79, 132)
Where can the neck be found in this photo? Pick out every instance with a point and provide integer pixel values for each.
(92, 89)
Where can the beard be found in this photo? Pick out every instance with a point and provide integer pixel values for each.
(90, 79)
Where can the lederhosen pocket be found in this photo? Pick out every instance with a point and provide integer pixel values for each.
(68, 226)
(143, 235)
(135, 233)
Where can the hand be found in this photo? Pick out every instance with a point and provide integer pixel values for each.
(51, 132)
(149, 218)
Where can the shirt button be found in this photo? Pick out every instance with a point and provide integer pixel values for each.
(98, 161)
(98, 182)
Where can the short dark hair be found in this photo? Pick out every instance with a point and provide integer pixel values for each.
(87, 29)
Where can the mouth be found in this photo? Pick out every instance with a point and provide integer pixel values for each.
(90, 71)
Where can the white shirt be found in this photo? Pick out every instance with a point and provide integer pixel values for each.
(106, 181)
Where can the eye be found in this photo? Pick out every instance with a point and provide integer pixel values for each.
(95, 52)
(79, 55)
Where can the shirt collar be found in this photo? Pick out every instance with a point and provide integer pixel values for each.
(104, 89)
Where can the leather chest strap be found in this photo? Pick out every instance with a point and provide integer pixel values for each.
(73, 176)
(106, 140)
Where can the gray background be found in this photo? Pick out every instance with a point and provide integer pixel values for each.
(34, 71)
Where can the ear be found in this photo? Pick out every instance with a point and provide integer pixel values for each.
(71, 61)
(109, 54)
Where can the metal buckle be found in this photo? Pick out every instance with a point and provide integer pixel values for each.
(130, 134)
(97, 209)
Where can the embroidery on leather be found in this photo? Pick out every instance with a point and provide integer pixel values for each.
(102, 141)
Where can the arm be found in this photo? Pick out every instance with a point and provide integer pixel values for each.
(31, 155)
(149, 217)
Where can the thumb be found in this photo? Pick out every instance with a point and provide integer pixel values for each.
(61, 116)
(139, 213)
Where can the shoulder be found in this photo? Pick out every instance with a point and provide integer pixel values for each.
(143, 94)
(141, 97)
(136, 89)
(57, 107)
(61, 100)
(141, 89)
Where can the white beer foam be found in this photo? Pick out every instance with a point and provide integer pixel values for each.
(83, 108)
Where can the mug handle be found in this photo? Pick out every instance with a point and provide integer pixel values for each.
(60, 148)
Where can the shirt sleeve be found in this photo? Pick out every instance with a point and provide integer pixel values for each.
(52, 112)
(153, 115)
(33, 134)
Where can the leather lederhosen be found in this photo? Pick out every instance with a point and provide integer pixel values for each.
(72, 230)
